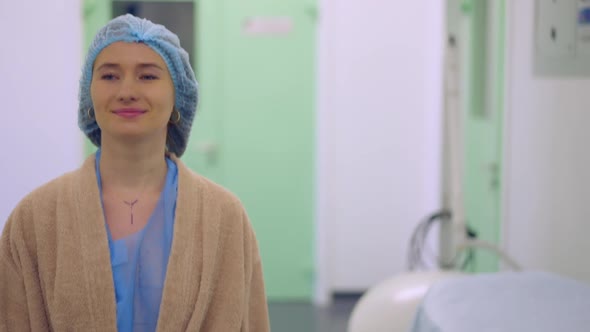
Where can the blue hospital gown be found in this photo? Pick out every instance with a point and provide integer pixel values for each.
(139, 261)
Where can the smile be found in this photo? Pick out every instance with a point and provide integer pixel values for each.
(129, 113)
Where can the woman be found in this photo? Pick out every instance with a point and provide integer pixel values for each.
(133, 240)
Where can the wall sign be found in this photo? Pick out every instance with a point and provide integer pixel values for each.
(267, 26)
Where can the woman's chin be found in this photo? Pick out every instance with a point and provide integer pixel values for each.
(134, 136)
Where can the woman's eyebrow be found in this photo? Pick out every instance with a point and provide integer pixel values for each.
(150, 65)
(109, 65)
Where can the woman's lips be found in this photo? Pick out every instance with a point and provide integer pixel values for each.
(129, 113)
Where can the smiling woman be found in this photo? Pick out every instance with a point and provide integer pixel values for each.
(133, 95)
(133, 240)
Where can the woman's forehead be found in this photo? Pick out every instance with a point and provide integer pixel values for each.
(129, 54)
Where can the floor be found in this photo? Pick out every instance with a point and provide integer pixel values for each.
(304, 317)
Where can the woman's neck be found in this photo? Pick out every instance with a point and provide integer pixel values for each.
(135, 168)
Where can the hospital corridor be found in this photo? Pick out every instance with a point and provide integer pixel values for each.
(320, 165)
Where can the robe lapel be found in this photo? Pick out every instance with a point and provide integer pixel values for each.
(95, 249)
(189, 278)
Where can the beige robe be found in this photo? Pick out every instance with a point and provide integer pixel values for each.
(55, 269)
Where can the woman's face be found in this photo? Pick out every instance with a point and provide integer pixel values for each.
(132, 92)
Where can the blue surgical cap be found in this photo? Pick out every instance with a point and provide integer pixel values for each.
(131, 29)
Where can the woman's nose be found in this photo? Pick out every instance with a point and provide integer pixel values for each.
(127, 91)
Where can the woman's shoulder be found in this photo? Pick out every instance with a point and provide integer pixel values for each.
(45, 196)
(212, 191)
(41, 201)
(52, 188)
(56, 184)
(205, 187)
(216, 203)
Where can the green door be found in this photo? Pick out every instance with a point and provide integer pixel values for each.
(254, 130)
(267, 146)
(481, 32)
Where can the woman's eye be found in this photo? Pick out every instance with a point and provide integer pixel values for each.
(149, 77)
(107, 77)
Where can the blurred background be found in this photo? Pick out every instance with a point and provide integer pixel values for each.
(326, 118)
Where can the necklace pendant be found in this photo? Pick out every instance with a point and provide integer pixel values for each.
(131, 204)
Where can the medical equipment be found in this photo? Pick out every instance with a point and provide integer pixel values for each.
(505, 301)
(391, 305)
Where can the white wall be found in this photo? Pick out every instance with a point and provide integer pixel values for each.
(379, 109)
(40, 59)
(547, 199)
